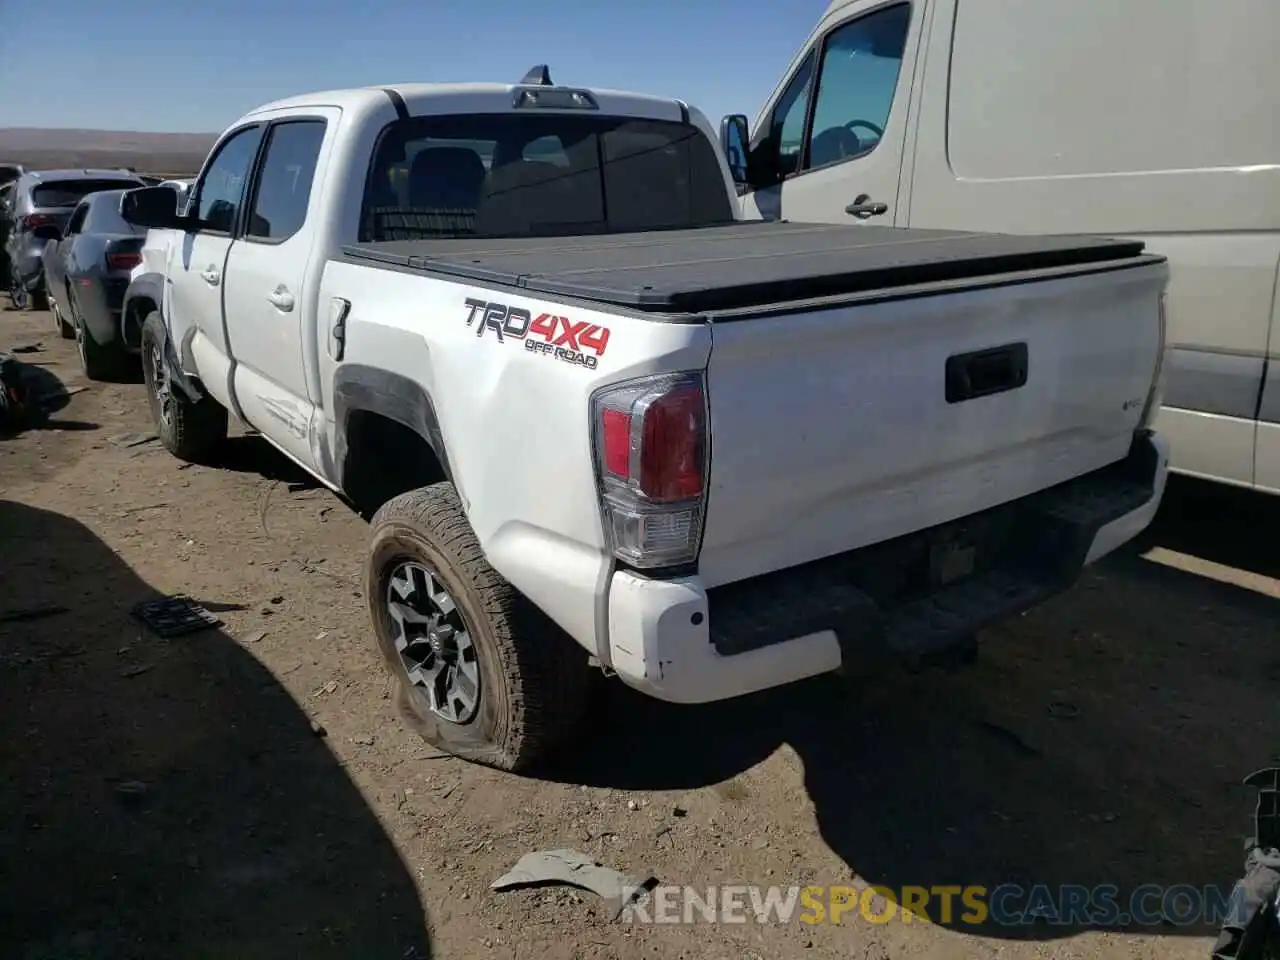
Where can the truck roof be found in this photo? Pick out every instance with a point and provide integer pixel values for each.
(418, 96)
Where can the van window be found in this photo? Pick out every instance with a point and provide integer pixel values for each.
(860, 65)
(776, 152)
(1105, 87)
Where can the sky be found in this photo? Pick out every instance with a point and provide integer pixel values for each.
(197, 67)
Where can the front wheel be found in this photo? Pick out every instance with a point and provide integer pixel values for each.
(483, 674)
(190, 430)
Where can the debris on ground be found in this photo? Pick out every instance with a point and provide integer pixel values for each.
(130, 672)
(174, 616)
(256, 637)
(32, 613)
(574, 869)
(15, 402)
(1010, 738)
(127, 440)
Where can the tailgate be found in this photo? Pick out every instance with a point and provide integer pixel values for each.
(836, 428)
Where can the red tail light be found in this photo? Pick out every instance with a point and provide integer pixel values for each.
(651, 459)
(123, 261)
(31, 221)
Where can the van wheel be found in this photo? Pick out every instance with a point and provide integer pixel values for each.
(482, 673)
(189, 430)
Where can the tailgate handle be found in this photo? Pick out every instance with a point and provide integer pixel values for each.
(986, 372)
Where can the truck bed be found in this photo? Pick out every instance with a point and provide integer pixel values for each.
(741, 265)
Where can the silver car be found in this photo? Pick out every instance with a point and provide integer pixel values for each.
(39, 206)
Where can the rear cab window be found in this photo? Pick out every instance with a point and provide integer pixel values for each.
(67, 193)
(506, 175)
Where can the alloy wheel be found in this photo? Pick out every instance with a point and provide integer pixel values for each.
(434, 644)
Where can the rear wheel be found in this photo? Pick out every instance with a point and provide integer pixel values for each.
(190, 430)
(482, 673)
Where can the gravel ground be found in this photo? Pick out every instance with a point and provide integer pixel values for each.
(250, 791)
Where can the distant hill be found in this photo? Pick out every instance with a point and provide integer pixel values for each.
(146, 152)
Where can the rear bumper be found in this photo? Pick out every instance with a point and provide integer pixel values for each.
(679, 642)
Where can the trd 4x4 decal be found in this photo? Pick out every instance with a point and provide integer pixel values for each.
(573, 341)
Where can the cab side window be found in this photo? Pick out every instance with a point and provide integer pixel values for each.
(861, 61)
(219, 193)
(776, 153)
(284, 183)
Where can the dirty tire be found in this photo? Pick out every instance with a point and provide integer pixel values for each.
(190, 431)
(534, 679)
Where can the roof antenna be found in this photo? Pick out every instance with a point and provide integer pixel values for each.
(539, 76)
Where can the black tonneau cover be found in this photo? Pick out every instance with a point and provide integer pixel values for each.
(741, 264)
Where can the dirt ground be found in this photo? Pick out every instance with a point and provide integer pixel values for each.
(249, 792)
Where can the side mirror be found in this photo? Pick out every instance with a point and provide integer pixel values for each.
(155, 208)
(733, 140)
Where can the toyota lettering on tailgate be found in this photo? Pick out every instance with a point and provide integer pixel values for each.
(573, 341)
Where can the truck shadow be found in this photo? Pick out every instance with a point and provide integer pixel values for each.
(249, 453)
(167, 798)
(1100, 741)
(1219, 523)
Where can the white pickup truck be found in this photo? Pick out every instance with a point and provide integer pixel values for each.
(599, 419)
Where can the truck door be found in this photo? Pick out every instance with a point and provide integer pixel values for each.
(270, 305)
(833, 139)
(198, 258)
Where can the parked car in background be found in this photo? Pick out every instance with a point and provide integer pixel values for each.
(86, 274)
(40, 205)
(6, 190)
(1031, 118)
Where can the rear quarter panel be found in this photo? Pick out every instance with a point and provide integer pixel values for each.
(514, 418)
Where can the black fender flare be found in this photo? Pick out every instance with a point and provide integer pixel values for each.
(150, 286)
(357, 387)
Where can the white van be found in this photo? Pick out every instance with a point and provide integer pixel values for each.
(1143, 118)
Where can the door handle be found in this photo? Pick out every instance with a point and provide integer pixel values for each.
(864, 207)
(281, 299)
(211, 276)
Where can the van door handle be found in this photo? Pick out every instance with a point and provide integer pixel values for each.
(863, 208)
(281, 298)
(210, 276)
